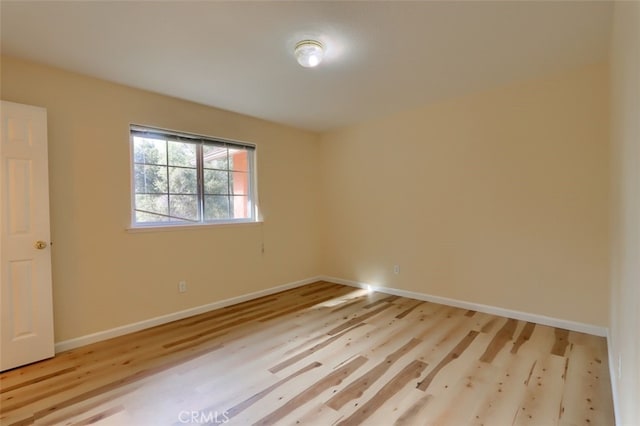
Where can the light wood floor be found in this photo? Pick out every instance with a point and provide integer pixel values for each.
(323, 354)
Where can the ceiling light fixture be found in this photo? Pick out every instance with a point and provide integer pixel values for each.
(309, 53)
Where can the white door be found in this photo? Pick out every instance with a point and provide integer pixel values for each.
(26, 307)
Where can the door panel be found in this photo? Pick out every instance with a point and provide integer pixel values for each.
(18, 194)
(26, 307)
(21, 296)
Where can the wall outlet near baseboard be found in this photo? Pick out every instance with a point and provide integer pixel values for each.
(182, 287)
(396, 269)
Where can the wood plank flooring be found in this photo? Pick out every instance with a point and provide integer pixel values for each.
(322, 354)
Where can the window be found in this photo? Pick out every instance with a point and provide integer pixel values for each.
(183, 179)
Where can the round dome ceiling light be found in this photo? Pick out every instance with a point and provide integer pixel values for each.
(309, 53)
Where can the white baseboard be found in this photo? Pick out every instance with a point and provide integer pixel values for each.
(614, 378)
(163, 319)
(509, 313)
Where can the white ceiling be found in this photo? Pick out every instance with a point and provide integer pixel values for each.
(382, 56)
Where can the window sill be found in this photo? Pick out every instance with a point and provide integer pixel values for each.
(169, 228)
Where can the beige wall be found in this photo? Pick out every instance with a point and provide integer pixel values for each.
(104, 277)
(499, 198)
(625, 301)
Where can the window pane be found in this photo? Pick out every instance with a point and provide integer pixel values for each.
(216, 207)
(184, 207)
(182, 154)
(152, 204)
(240, 207)
(183, 181)
(150, 179)
(215, 157)
(216, 182)
(148, 217)
(238, 159)
(149, 151)
(239, 183)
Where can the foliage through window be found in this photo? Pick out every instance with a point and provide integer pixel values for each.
(187, 179)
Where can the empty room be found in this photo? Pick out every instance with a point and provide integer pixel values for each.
(320, 213)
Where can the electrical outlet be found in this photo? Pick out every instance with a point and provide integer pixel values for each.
(182, 287)
(396, 269)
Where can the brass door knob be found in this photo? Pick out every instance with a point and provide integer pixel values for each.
(40, 245)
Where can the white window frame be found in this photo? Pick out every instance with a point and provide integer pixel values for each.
(159, 133)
